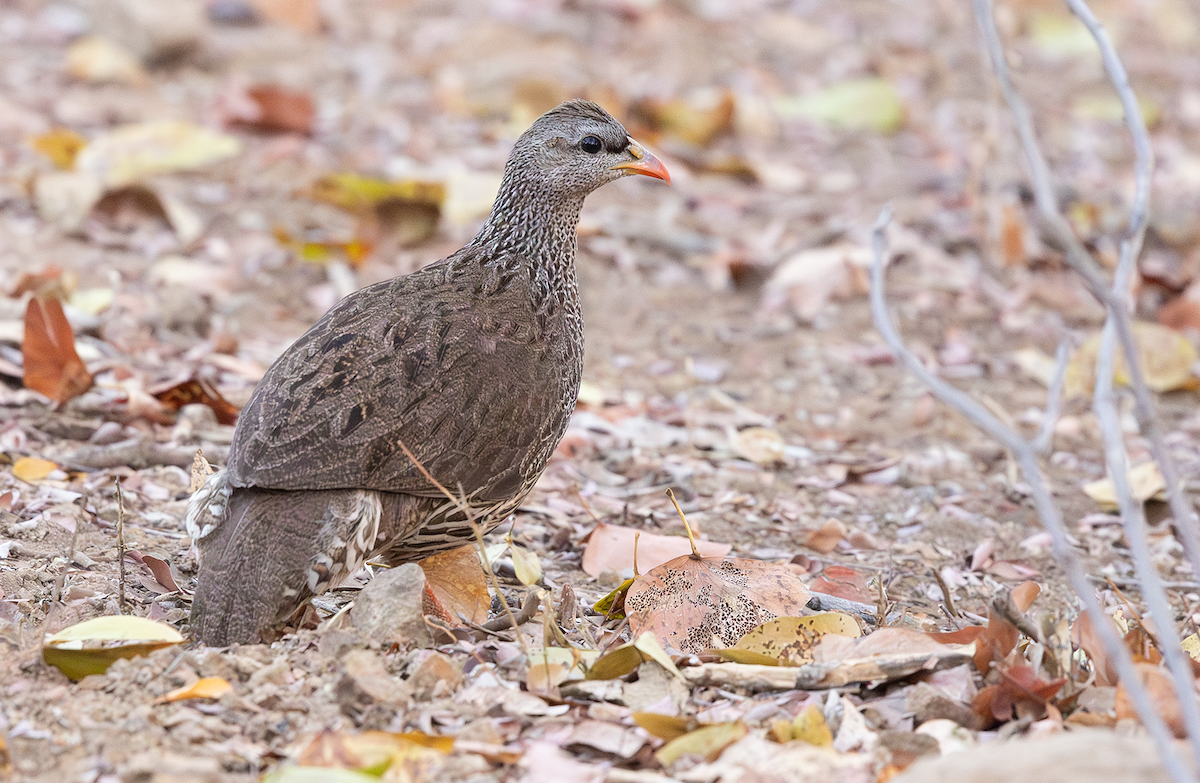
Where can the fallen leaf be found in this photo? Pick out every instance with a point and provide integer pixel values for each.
(354, 251)
(697, 119)
(810, 279)
(1145, 482)
(825, 538)
(318, 775)
(843, 582)
(96, 59)
(610, 548)
(1084, 636)
(1161, 687)
(51, 365)
(197, 390)
(665, 727)
(415, 754)
(694, 604)
(91, 646)
(203, 688)
(276, 109)
(552, 666)
(706, 742)
(809, 726)
(162, 572)
(60, 145)
(131, 153)
(856, 104)
(526, 565)
(758, 444)
(459, 584)
(1166, 357)
(31, 469)
(624, 659)
(790, 640)
(998, 638)
(613, 604)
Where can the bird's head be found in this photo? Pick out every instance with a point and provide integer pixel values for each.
(576, 147)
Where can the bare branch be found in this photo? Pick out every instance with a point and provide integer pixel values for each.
(1048, 513)
(1186, 525)
(1045, 437)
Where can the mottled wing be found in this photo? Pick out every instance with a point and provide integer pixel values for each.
(427, 360)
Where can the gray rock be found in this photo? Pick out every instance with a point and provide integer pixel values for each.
(389, 608)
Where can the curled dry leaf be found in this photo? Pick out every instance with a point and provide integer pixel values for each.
(52, 367)
(526, 564)
(197, 390)
(91, 646)
(826, 538)
(203, 688)
(998, 638)
(413, 755)
(455, 580)
(694, 604)
(1161, 687)
(624, 659)
(610, 548)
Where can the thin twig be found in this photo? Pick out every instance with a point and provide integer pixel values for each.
(120, 549)
(947, 594)
(1048, 513)
(1187, 526)
(1044, 441)
(61, 580)
(465, 508)
(1133, 517)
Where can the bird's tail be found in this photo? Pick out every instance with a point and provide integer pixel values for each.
(270, 552)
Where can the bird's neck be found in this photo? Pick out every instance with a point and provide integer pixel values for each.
(528, 226)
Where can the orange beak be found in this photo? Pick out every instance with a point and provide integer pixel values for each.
(644, 163)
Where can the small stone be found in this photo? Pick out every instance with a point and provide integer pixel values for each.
(927, 702)
(388, 610)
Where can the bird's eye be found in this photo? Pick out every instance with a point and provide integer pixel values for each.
(591, 144)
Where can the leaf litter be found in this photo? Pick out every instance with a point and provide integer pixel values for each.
(729, 358)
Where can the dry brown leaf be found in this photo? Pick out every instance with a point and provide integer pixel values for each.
(276, 109)
(197, 390)
(610, 548)
(162, 572)
(204, 688)
(694, 604)
(826, 538)
(52, 366)
(996, 640)
(1161, 688)
(1085, 637)
(1012, 235)
(844, 582)
(457, 581)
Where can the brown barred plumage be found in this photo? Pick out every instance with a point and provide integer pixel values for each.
(474, 363)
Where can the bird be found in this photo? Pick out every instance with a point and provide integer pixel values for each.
(472, 364)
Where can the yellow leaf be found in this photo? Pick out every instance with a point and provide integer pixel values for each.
(354, 192)
(811, 727)
(747, 656)
(204, 688)
(1145, 481)
(133, 152)
(1166, 357)
(526, 565)
(31, 469)
(97, 59)
(1061, 35)
(413, 754)
(624, 659)
(665, 727)
(856, 104)
(706, 742)
(605, 605)
(790, 640)
(1191, 646)
(60, 146)
(91, 646)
